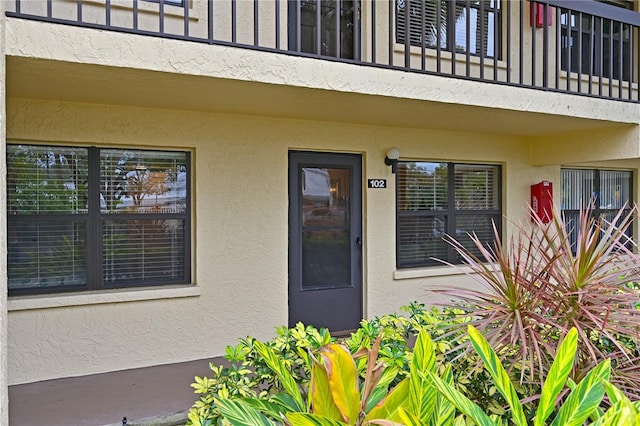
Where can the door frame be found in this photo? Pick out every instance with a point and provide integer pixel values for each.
(296, 160)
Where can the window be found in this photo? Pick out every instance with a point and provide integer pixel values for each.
(461, 25)
(597, 46)
(609, 189)
(92, 218)
(438, 199)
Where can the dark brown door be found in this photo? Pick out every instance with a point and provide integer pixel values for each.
(325, 240)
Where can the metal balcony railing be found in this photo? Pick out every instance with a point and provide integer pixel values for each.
(581, 47)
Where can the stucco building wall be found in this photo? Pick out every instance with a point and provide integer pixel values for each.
(240, 112)
(240, 233)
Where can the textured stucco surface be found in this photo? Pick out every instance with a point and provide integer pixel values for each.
(240, 112)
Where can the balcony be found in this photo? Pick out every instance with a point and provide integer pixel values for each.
(585, 48)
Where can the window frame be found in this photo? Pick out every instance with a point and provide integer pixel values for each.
(95, 225)
(447, 41)
(597, 211)
(450, 214)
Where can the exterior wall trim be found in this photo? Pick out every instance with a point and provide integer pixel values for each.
(26, 303)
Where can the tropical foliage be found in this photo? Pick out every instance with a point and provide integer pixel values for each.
(552, 277)
(549, 338)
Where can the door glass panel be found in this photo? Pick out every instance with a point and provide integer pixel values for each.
(326, 259)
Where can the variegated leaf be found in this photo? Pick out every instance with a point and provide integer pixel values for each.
(278, 367)
(557, 377)
(500, 377)
(422, 394)
(239, 413)
(585, 398)
(461, 402)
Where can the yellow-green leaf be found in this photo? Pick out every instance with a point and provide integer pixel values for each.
(557, 377)
(422, 394)
(304, 419)
(343, 380)
(389, 406)
(321, 396)
(500, 377)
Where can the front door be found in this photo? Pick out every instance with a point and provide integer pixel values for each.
(325, 240)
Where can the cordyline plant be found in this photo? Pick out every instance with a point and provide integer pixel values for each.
(543, 283)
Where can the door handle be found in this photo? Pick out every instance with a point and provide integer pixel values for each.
(359, 242)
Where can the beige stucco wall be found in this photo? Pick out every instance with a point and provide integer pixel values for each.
(240, 230)
(240, 112)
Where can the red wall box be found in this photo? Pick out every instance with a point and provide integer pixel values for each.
(539, 12)
(542, 200)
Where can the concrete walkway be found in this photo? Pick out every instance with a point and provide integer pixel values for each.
(104, 399)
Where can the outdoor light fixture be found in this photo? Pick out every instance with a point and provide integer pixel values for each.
(392, 159)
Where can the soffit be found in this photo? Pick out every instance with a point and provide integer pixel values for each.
(87, 83)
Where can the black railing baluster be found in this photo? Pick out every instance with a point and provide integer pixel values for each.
(534, 53)
(357, 44)
(545, 46)
(18, 6)
(79, 10)
(391, 14)
(49, 9)
(107, 12)
(423, 56)
(631, 61)
(161, 16)
(482, 28)
(318, 27)
(592, 37)
(256, 17)
(468, 39)
(277, 17)
(210, 23)
(521, 42)
(407, 33)
(611, 59)
(135, 14)
(580, 56)
(620, 62)
(373, 32)
(451, 35)
(234, 22)
(298, 26)
(438, 36)
(508, 52)
(600, 64)
(185, 6)
(338, 29)
(569, 42)
(558, 46)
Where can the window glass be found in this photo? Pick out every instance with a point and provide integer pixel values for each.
(91, 218)
(609, 190)
(45, 179)
(142, 181)
(439, 199)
